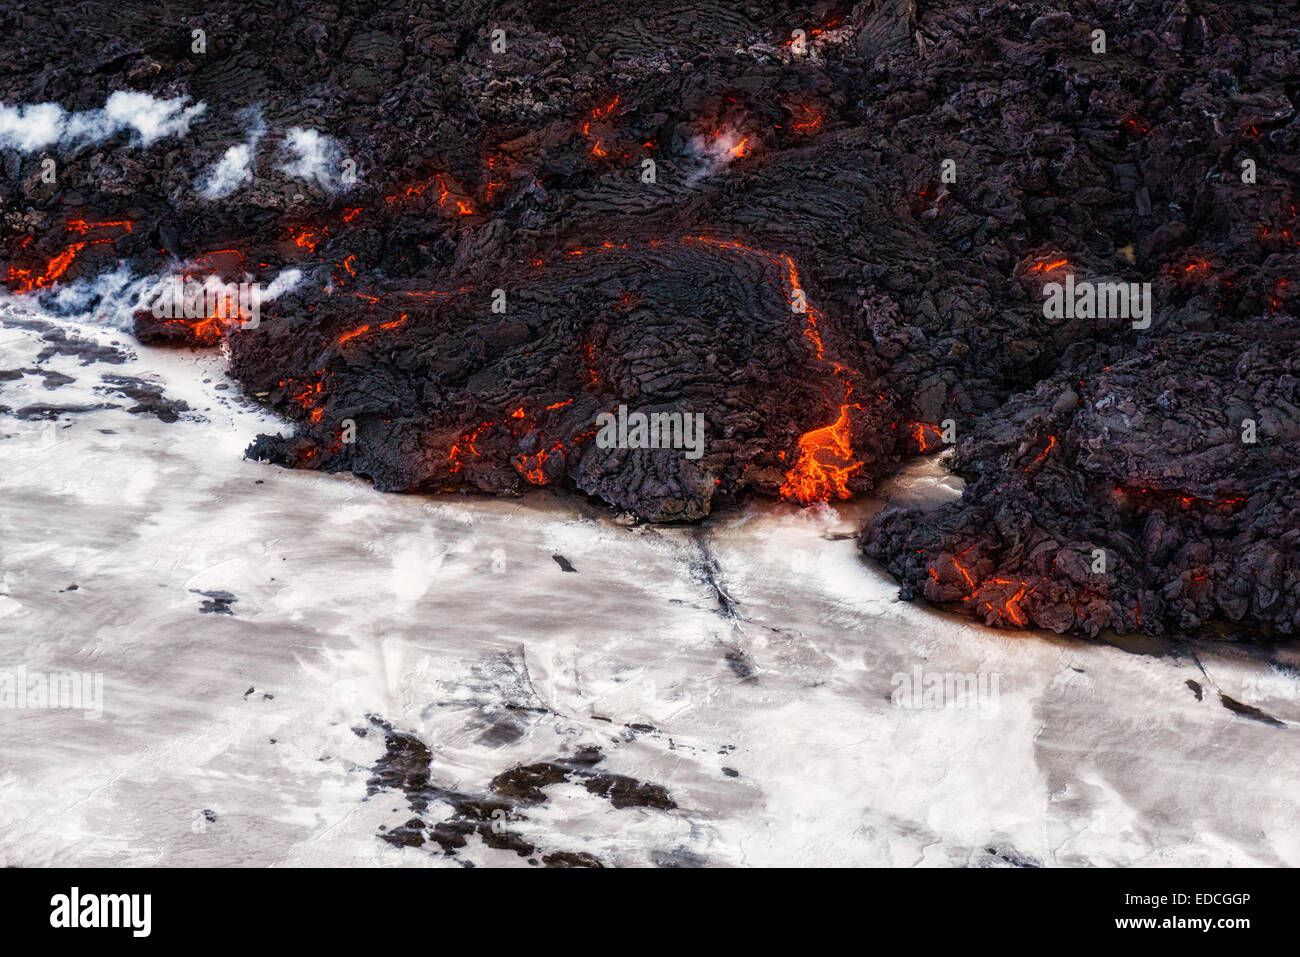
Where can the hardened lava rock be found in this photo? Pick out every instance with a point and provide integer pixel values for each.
(1159, 493)
(424, 389)
(824, 227)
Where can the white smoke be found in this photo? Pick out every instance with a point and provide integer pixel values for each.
(716, 152)
(286, 281)
(34, 127)
(317, 158)
(27, 128)
(112, 299)
(235, 168)
(224, 177)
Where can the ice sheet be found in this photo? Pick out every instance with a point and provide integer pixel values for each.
(747, 666)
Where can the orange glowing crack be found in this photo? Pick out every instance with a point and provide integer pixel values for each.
(209, 256)
(808, 126)
(306, 238)
(1048, 267)
(1187, 501)
(825, 463)
(529, 465)
(28, 280)
(360, 330)
(597, 149)
(1043, 454)
(970, 582)
(82, 227)
(308, 395)
(1010, 606)
(918, 433)
(60, 263)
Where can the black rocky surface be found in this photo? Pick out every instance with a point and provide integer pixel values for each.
(494, 814)
(522, 171)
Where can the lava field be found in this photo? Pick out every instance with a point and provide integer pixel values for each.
(827, 228)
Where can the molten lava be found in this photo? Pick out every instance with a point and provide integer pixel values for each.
(825, 463)
(28, 280)
(529, 465)
(304, 237)
(810, 124)
(918, 433)
(1043, 454)
(1049, 266)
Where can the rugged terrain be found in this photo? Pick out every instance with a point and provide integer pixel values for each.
(487, 261)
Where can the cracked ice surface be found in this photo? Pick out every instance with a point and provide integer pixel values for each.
(745, 666)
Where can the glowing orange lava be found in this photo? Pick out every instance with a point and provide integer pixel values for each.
(304, 237)
(1043, 454)
(530, 466)
(28, 280)
(918, 433)
(1049, 267)
(82, 227)
(808, 125)
(825, 463)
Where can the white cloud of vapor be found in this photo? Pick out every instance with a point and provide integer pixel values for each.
(317, 158)
(235, 168)
(34, 127)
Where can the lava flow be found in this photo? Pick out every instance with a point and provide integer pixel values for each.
(825, 462)
(28, 280)
(531, 466)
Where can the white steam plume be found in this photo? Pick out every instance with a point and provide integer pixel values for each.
(235, 168)
(714, 154)
(113, 299)
(34, 127)
(317, 158)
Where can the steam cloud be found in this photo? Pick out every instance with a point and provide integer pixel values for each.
(235, 168)
(34, 127)
(317, 158)
(112, 299)
(714, 154)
